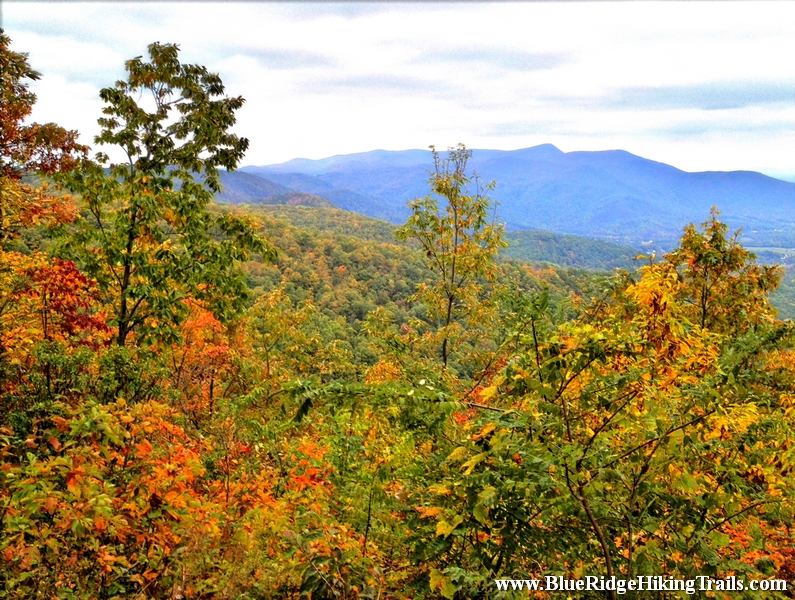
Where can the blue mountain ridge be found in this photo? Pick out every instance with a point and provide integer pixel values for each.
(610, 194)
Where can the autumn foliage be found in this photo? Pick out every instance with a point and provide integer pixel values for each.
(162, 436)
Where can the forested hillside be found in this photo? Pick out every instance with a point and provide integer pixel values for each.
(528, 246)
(346, 267)
(211, 401)
(569, 256)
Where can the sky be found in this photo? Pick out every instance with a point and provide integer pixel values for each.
(698, 85)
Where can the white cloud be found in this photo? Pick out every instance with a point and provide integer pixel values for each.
(698, 85)
(71, 105)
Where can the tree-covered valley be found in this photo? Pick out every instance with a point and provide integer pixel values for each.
(212, 400)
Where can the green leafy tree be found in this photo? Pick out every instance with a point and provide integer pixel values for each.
(725, 287)
(632, 440)
(147, 235)
(460, 240)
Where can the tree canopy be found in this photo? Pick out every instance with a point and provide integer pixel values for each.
(147, 237)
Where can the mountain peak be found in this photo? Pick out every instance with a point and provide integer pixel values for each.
(541, 151)
(611, 194)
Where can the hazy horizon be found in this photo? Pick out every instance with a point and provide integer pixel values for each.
(698, 85)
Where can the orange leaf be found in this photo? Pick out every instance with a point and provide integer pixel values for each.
(61, 423)
(50, 504)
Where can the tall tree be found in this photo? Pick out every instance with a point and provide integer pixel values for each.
(148, 237)
(460, 240)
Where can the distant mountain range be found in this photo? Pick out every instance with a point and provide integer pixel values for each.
(612, 195)
(242, 188)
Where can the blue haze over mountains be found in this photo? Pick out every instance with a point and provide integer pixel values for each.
(612, 195)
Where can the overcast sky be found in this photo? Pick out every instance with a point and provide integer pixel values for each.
(701, 86)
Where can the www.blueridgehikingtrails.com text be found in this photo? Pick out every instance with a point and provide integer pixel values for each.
(642, 583)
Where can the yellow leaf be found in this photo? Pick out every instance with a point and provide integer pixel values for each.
(484, 431)
(488, 393)
(444, 528)
(426, 512)
(442, 583)
(473, 462)
(458, 454)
